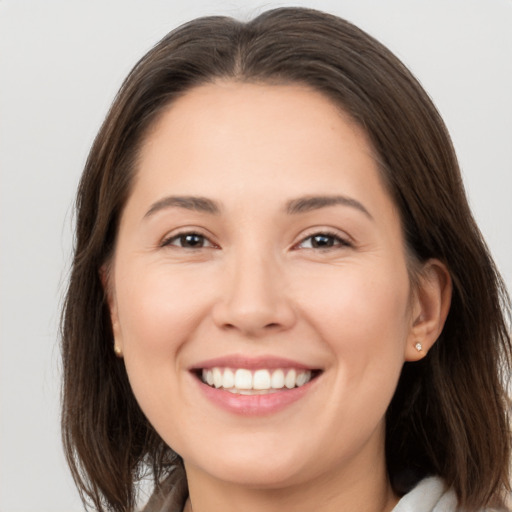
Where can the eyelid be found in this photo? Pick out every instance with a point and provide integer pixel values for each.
(344, 240)
(187, 230)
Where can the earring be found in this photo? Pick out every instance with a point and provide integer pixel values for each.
(418, 346)
(117, 350)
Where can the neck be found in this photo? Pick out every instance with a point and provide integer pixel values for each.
(365, 489)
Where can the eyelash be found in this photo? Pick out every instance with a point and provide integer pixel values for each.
(182, 236)
(332, 241)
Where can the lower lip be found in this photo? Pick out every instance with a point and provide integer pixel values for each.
(255, 405)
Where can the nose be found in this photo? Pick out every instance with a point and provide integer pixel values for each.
(254, 299)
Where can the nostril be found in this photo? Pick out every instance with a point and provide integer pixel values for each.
(253, 317)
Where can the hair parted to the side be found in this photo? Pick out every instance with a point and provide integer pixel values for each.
(449, 415)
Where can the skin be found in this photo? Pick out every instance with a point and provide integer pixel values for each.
(256, 286)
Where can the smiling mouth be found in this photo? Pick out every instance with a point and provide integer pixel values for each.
(256, 382)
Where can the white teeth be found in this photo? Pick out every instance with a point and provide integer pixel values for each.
(289, 380)
(243, 379)
(229, 379)
(278, 379)
(301, 379)
(217, 377)
(262, 381)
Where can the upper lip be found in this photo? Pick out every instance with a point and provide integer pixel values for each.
(251, 363)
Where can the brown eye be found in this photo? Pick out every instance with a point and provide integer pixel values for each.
(323, 241)
(188, 241)
(320, 241)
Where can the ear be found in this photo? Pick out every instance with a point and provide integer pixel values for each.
(430, 307)
(105, 273)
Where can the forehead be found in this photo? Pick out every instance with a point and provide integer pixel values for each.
(240, 125)
(233, 102)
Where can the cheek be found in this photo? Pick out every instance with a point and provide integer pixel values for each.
(365, 323)
(358, 301)
(363, 316)
(157, 311)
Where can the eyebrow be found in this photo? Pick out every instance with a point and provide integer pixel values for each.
(198, 204)
(293, 207)
(309, 203)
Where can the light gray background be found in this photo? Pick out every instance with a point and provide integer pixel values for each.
(61, 63)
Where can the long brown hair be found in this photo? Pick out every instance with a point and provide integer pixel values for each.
(448, 416)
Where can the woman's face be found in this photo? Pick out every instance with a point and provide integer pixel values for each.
(259, 251)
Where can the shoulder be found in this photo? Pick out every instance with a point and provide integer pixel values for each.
(170, 495)
(431, 495)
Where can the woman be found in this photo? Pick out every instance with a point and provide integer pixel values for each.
(279, 297)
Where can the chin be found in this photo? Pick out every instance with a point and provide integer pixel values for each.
(259, 476)
(269, 469)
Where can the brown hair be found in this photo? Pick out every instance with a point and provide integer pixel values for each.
(448, 416)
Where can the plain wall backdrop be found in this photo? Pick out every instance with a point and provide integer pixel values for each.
(61, 63)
